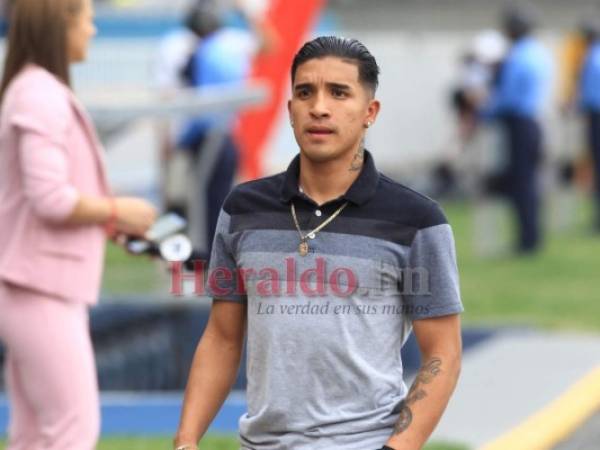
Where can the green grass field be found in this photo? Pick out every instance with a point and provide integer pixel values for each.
(210, 443)
(557, 289)
(215, 443)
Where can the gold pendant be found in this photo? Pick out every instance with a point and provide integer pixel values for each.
(303, 248)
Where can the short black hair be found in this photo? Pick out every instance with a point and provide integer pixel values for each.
(202, 19)
(519, 19)
(589, 27)
(344, 48)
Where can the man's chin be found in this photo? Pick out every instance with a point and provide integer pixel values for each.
(321, 155)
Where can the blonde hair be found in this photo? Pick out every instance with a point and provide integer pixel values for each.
(38, 34)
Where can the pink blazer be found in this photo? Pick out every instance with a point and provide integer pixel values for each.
(49, 156)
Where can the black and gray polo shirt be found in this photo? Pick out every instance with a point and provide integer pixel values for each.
(325, 329)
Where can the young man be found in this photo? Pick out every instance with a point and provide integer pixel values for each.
(325, 268)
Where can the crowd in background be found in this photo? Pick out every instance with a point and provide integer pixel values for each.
(505, 82)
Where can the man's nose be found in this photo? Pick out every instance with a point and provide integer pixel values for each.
(319, 107)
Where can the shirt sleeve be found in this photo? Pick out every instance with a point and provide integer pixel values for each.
(224, 281)
(430, 282)
(43, 122)
(507, 95)
(589, 97)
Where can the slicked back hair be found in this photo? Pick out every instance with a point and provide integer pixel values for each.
(350, 50)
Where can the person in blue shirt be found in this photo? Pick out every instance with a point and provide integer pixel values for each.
(517, 103)
(223, 57)
(589, 100)
(172, 75)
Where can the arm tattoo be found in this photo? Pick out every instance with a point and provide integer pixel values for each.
(357, 161)
(425, 376)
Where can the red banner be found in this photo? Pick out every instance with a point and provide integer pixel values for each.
(292, 20)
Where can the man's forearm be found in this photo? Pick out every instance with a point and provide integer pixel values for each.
(425, 402)
(212, 375)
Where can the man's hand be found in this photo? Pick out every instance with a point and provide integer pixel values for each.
(213, 371)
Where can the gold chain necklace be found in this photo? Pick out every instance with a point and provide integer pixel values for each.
(303, 247)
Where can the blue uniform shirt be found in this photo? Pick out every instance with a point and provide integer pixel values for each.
(224, 57)
(589, 87)
(524, 83)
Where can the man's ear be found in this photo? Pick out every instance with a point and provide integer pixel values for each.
(372, 111)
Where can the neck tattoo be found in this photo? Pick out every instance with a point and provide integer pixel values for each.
(357, 161)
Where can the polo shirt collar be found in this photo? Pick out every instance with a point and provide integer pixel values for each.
(360, 192)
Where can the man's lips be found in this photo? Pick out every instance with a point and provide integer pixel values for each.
(320, 131)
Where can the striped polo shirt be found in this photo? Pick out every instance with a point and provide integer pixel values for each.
(325, 330)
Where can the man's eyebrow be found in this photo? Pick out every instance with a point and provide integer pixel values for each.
(330, 85)
(303, 86)
(340, 86)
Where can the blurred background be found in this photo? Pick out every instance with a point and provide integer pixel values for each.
(532, 312)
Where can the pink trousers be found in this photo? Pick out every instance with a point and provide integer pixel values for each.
(50, 372)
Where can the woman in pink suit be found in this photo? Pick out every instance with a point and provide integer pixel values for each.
(55, 211)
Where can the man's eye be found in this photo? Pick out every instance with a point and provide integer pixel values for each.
(302, 93)
(339, 93)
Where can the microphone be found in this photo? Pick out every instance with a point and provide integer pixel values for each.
(164, 239)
